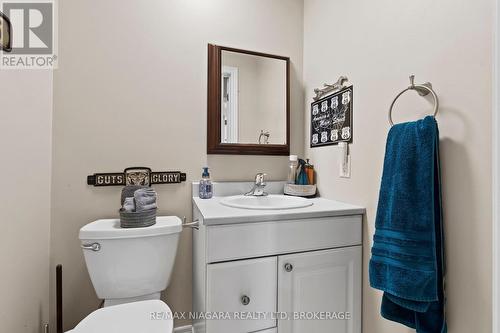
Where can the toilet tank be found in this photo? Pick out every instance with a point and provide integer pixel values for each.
(130, 262)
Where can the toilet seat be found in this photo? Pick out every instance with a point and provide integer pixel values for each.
(152, 316)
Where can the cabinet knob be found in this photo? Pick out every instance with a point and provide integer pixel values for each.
(245, 300)
(288, 267)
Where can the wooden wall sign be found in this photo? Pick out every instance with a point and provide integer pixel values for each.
(331, 118)
(168, 177)
(136, 176)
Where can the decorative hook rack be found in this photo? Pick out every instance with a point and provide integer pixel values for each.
(328, 88)
(136, 176)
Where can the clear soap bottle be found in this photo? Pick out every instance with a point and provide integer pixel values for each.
(292, 169)
(205, 188)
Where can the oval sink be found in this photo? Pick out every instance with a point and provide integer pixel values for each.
(271, 201)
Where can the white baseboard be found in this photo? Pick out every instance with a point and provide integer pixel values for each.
(183, 329)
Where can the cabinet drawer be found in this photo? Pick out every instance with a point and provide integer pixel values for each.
(246, 286)
(258, 239)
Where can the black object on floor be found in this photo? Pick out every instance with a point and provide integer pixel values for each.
(59, 317)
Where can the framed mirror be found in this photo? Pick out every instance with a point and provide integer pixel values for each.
(248, 102)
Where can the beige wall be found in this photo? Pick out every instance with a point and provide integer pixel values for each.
(25, 136)
(377, 44)
(131, 90)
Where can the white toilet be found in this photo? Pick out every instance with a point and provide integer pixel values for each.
(130, 264)
(146, 316)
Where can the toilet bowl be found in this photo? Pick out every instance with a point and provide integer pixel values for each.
(130, 264)
(146, 317)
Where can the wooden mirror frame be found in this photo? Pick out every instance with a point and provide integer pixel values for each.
(6, 22)
(214, 144)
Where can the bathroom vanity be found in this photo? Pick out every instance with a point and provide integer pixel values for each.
(275, 270)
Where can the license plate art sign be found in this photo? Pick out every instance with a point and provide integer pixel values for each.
(331, 119)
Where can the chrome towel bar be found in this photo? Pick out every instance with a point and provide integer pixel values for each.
(194, 225)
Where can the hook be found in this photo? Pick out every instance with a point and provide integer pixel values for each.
(421, 91)
(412, 81)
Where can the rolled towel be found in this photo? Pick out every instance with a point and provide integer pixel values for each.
(129, 205)
(128, 192)
(145, 196)
(148, 207)
(145, 199)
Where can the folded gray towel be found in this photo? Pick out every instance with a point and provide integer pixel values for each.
(128, 192)
(129, 205)
(148, 207)
(145, 199)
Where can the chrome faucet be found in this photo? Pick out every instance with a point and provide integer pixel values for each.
(264, 135)
(258, 187)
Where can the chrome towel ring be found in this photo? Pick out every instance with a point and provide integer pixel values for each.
(422, 89)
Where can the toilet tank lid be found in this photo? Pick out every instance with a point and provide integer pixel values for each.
(110, 229)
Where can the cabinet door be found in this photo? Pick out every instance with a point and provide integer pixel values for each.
(320, 284)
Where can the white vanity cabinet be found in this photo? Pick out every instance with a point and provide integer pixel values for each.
(269, 272)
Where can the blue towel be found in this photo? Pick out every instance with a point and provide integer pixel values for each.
(407, 260)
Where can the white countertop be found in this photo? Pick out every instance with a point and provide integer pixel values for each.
(214, 212)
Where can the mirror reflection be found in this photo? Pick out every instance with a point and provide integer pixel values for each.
(253, 99)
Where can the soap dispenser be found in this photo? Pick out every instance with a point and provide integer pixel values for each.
(205, 188)
(292, 169)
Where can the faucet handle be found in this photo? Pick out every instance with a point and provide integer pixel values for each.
(259, 179)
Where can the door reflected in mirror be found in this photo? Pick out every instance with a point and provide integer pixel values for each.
(253, 99)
